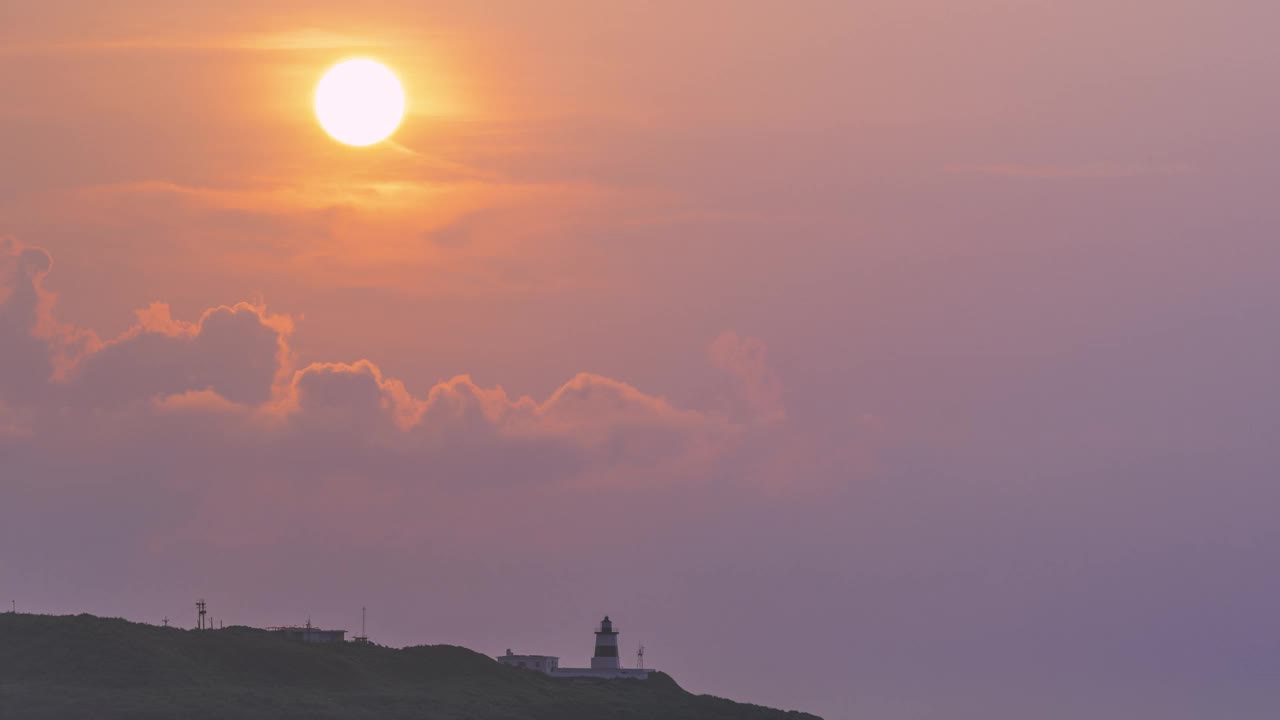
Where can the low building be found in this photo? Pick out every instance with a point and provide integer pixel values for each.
(542, 663)
(308, 634)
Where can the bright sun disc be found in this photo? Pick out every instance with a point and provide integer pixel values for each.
(359, 102)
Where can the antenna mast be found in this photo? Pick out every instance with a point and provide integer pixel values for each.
(200, 611)
(364, 635)
(640, 658)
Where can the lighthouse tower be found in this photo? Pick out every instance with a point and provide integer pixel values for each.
(606, 657)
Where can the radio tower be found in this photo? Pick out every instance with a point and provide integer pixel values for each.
(364, 636)
(640, 658)
(200, 611)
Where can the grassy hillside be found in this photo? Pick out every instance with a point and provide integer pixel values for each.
(66, 668)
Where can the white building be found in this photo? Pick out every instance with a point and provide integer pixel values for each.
(605, 663)
(542, 663)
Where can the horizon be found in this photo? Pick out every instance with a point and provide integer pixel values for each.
(219, 623)
(877, 359)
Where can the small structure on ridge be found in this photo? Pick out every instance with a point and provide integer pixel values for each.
(309, 634)
(541, 663)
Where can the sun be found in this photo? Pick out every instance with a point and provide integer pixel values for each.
(359, 102)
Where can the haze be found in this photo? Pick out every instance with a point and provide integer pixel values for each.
(882, 359)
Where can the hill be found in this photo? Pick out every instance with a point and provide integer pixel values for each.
(73, 667)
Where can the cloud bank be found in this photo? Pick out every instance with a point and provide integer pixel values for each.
(226, 398)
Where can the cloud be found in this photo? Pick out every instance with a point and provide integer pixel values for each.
(302, 39)
(354, 398)
(36, 348)
(1087, 171)
(237, 352)
(747, 360)
(219, 399)
(26, 357)
(460, 232)
(10, 424)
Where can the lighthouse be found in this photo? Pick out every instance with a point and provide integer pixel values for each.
(606, 657)
(604, 663)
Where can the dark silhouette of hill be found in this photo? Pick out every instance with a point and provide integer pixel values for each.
(73, 667)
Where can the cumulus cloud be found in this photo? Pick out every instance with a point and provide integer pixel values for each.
(237, 352)
(35, 347)
(352, 398)
(220, 398)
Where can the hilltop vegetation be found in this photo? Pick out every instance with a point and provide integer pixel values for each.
(67, 668)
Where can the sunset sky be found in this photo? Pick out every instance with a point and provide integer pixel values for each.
(883, 359)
